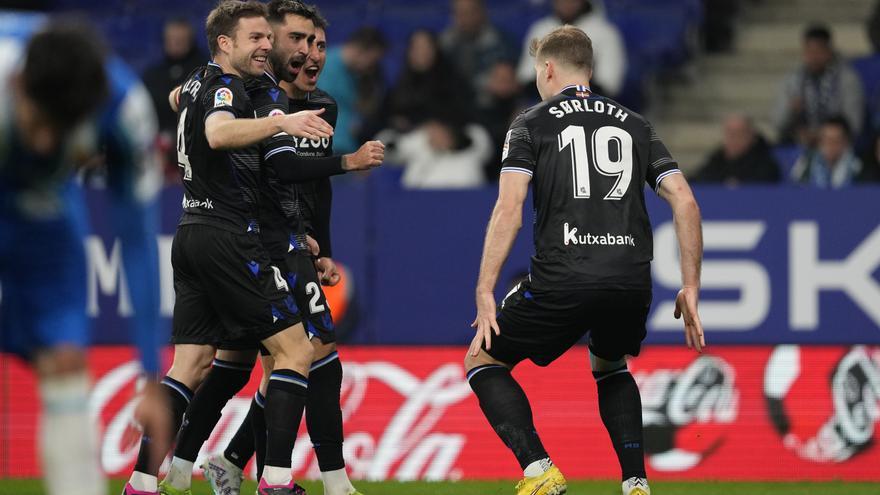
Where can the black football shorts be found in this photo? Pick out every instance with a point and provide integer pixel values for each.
(542, 325)
(302, 278)
(226, 288)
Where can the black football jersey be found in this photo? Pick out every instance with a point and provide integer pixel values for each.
(314, 198)
(589, 158)
(282, 227)
(220, 187)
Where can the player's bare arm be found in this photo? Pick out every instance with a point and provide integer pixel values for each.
(174, 98)
(686, 214)
(503, 226)
(225, 132)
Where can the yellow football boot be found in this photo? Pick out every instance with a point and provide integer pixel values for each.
(636, 486)
(550, 483)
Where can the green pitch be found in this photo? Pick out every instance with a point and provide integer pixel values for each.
(33, 487)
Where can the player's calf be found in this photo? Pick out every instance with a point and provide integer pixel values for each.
(505, 405)
(620, 407)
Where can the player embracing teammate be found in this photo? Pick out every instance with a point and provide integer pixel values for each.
(588, 159)
(242, 257)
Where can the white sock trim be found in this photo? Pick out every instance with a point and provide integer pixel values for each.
(277, 476)
(625, 370)
(180, 473)
(336, 482)
(143, 482)
(538, 467)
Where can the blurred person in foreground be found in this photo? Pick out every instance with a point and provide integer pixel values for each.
(610, 52)
(180, 55)
(587, 160)
(427, 84)
(822, 87)
(474, 45)
(833, 164)
(743, 157)
(354, 77)
(64, 107)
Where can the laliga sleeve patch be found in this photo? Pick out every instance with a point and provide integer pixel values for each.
(506, 147)
(223, 97)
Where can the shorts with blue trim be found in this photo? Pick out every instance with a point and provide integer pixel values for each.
(311, 303)
(541, 325)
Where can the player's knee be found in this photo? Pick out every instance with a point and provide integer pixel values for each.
(191, 364)
(602, 365)
(322, 350)
(481, 359)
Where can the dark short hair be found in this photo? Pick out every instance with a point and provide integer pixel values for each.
(64, 73)
(818, 32)
(839, 121)
(319, 19)
(279, 9)
(368, 38)
(223, 20)
(566, 44)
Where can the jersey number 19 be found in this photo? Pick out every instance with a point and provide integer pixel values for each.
(602, 141)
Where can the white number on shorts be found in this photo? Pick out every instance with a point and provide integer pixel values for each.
(279, 280)
(313, 290)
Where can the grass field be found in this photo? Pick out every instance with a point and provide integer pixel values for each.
(33, 487)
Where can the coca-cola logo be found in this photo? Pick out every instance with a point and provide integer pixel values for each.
(404, 445)
(852, 411)
(673, 401)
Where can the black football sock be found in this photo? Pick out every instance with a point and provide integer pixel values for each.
(241, 447)
(258, 429)
(621, 409)
(323, 412)
(285, 401)
(507, 408)
(223, 381)
(179, 396)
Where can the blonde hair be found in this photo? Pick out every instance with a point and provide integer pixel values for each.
(567, 45)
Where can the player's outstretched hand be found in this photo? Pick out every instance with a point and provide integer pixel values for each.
(370, 155)
(485, 323)
(307, 124)
(686, 305)
(328, 272)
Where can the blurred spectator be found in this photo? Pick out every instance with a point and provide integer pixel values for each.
(353, 75)
(609, 67)
(474, 45)
(824, 86)
(718, 24)
(833, 164)
(440, 154)
(180, 57)
(427, 84)
(505, 100)
(743, 157)
(871, 162)
(874, 27)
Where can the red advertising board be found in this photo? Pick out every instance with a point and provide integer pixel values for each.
(739, 413)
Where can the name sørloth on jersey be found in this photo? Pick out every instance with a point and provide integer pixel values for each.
(571, 237)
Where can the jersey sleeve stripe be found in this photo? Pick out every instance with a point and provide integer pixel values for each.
(282, 149)
(663, 176)
(517, 170)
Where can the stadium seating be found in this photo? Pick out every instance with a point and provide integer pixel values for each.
(658, 33)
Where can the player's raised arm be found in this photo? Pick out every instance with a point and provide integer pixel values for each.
(225, 132)
(503, 226)
(686, 214)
